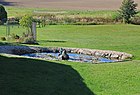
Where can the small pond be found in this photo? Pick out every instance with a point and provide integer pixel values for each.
(72, 57)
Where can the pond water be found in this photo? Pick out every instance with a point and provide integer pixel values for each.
(72, 57)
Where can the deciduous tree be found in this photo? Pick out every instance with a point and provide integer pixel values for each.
(26, 21)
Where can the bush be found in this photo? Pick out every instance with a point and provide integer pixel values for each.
(135, 20)
(68, 20)
(24, 35)
(29, 40)
(14, 36)
(3, 14)
(3, 38)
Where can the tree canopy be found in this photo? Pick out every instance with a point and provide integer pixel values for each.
(26, 21)
(127, 10)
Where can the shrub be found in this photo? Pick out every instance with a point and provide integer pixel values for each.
(26, 21)
(135, 20)
(68, 20)
(29, 40)
(3, 38)
(14, 36)
(17, 37)
(3, 14)
(24, 35)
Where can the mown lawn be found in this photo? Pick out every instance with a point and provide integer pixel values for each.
(21, 76)
(111, 37)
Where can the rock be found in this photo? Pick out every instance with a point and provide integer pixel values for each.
(63, 55)
(114, 56)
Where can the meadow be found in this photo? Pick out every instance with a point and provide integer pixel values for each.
(21, 11)
(23, 76)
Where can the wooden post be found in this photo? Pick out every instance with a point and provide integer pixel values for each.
(7, 30)
(34, 30)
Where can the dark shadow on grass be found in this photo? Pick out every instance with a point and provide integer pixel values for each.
(52, 41)
(4, 43)
(22, 76)
(5, 3)
(9, 44)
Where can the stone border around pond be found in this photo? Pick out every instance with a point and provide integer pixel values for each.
(18, 50)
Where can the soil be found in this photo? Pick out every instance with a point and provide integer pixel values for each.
(68, 4)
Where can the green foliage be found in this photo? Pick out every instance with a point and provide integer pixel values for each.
(14, 36)
(26, 21)
(135, 20)
(128, 10)
(3, 38)
(28, 40)
(3, 14)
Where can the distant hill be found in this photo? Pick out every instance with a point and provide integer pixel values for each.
(69, 4)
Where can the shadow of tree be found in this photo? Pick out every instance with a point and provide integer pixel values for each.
(9, 44)
(5, 3)
(4, 43)
(22, 76)
(55, 41)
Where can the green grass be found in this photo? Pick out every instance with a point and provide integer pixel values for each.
(107, 37)
(38, 77)
(13, 29)
(123, 38)
(20, 76)
(111, 79)
(20, 11)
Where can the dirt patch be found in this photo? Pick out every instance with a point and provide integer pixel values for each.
(71, 4)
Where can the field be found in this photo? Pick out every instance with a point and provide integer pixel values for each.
(69, 4)
(25, 76)
(21, 11)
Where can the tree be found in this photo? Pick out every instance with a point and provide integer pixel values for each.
(127, 10)
(3, 14)
(26, 21)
